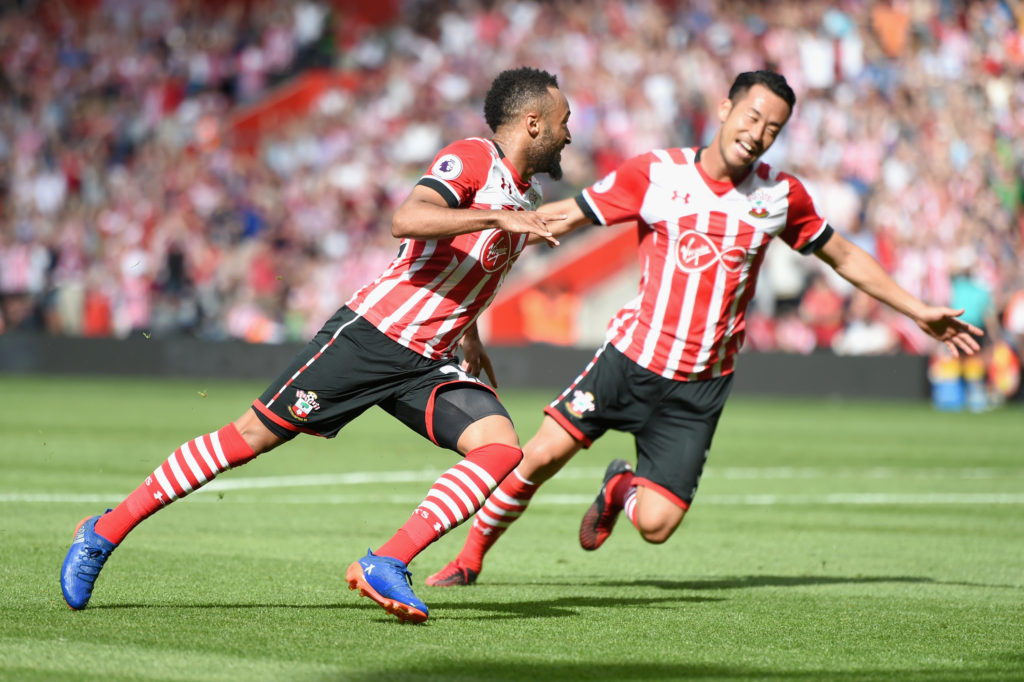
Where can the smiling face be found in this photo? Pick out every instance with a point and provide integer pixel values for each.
(750, 125)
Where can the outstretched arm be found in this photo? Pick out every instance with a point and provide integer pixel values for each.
(426, 215)
(561, 217)
(860, 269)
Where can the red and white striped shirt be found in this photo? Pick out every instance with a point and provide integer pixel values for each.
(436, 288)
(702, 243)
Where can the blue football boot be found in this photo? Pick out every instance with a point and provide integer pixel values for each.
(388, 582)
(89, 551)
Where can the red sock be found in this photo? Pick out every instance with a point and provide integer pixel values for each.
(621, 489)
(453, 498)
(629, 505)
(189, 467)
(504, 506)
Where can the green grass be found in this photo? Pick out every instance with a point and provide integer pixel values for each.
(830, 541)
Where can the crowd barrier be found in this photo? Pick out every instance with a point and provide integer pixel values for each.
(533, 366)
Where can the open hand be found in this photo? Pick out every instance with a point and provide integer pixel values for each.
(476, 358)
(944, 324)
(531, 222)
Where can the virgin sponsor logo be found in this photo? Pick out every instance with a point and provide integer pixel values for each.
(495, 252)
(696, 253)
(305, 403)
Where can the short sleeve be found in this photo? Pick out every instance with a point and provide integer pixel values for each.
(806, 231)
(459, 170)
(618, 196)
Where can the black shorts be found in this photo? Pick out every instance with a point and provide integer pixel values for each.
(350, 366)
(672, 421)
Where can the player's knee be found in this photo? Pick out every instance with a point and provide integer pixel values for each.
(500, 459)
(255, 433)
(490, 430)
(550, 448)
(541, 460)
(658, 529)
(543, 455)
(657, 536)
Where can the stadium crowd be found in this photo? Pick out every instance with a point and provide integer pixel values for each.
(127, 207)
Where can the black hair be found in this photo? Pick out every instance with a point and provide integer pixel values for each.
(775, 82)
(512, 91)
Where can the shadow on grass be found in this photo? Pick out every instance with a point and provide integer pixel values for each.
(561, 607)
(470, 670)
(569, 606)
(541, 608)
(465, 608)
(747, 581)
(751, 581)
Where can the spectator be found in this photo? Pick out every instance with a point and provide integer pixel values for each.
(821, 308)
(116, 118)
(865, 332)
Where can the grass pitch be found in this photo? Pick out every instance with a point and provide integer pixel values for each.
(829, 541)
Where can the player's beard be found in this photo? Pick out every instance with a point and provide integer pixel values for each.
(546, 156)
(555, 166)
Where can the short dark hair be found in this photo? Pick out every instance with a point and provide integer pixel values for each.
(512, 91)
(775, 82)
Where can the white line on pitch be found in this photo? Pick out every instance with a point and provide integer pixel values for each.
(764, 473)
(557, 499)
(229, 482)
(728, 500)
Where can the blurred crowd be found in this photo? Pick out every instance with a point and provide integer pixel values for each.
(126, 205)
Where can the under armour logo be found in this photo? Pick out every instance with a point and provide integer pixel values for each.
(158, 496)
(438, 527)
(676, 196)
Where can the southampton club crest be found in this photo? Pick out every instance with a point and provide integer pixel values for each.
(581, 403)
(759, 201)
(305, 403)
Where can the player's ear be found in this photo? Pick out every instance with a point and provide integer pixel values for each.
(533, 123)
(724, 107)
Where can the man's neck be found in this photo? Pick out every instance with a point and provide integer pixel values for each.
(510, 154)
